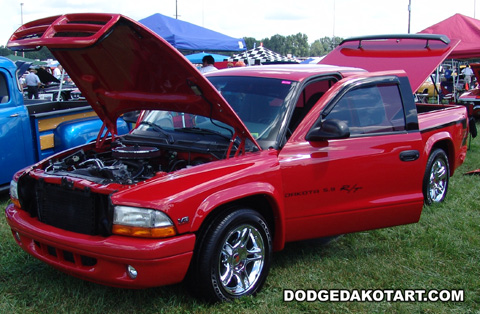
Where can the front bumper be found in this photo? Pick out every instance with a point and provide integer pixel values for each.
(104, 260)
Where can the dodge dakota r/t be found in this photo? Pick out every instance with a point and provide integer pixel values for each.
(222, 170)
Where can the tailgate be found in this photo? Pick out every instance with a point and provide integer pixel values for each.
(417, 54)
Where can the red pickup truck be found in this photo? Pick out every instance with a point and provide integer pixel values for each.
(222, 170)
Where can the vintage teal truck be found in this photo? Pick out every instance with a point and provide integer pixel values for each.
(31, 130)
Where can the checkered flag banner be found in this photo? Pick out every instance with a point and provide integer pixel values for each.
(261, 55)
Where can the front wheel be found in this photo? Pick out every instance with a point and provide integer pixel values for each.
(61, 97)
(233, 258)
(435, 181)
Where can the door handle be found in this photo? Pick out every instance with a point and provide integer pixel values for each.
(409, 155)
(14, 115)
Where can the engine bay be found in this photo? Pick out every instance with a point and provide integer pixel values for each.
(124, 164)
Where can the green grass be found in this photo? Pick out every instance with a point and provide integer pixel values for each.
(442, 251)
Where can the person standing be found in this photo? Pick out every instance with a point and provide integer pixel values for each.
(57, 72)
(33, 82)
(467, 72)
(208, 64)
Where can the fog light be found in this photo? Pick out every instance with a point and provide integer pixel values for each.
(132, 272)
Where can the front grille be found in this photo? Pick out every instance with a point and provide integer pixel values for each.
(71, 209)
(63, 256)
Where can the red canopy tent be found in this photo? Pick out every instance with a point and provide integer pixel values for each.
(461, 27)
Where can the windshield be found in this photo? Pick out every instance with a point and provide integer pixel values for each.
(259, 102)
(169, 122)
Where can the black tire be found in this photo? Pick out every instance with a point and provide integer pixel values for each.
(233, 258)
(437, 174)
(63, 97)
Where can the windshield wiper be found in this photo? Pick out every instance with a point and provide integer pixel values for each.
(158, 128)
(203, 131)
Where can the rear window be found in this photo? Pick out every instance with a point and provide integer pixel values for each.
(371, 109)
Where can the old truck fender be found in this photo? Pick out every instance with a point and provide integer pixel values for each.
(78, 132)
(235, 194)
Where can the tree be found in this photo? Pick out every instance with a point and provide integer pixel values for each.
(296, 45)
(42, 54)
(251, 42)
(321, 47)
(4, 51)
(277, 43)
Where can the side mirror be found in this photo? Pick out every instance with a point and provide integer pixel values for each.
(328, 130)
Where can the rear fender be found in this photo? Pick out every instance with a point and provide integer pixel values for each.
(444, 141)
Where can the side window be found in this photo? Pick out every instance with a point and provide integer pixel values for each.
(4, 96)
(371, 109)
(308, 98)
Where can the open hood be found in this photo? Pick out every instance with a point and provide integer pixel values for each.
(45, 77)
(417, 54)
(119, 66)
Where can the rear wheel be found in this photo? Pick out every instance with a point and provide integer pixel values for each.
(233, 258)
(435, 181)
(62, 97)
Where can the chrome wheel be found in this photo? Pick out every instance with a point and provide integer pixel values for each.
(233, 255)
(437, 174)
(241, 260)
(437, 186)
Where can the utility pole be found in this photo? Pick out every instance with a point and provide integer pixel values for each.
(333, 25)
(176, 9)
(409, 13)
(21, 20)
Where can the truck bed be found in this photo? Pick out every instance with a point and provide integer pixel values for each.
(46, 116)
(36, 108)
(450, 119)
(422, 108)
(433, 116)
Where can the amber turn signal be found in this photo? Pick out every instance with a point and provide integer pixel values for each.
(142, 232)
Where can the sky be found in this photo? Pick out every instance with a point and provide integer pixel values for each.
(258, 18)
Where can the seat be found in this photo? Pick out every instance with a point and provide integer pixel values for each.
(300, 112)
(446, 94)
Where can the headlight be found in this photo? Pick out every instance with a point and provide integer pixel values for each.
(142, 222)
(14, 193)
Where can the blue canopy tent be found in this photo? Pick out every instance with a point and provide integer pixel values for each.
(197, 57)
(187, 36)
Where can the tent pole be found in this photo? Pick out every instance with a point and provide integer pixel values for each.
(455, 78)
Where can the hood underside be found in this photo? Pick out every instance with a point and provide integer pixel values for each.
(120, 65)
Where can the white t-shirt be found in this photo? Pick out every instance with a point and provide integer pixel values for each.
(57, 73)
(208, 68)
(467, 71)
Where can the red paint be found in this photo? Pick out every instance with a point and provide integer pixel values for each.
(309, 189)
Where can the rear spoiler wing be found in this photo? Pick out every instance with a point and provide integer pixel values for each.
(427, 37)
(416, 54)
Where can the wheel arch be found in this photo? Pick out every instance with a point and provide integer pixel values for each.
(257, 197)
(447, 146)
